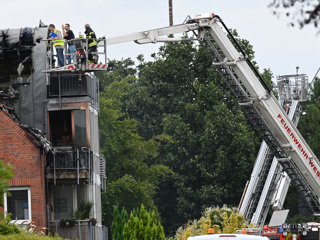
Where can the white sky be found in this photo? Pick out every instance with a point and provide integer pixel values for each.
(277, 46)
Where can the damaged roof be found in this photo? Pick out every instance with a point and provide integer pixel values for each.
(15, 46)
(23, 84)
(35, 134)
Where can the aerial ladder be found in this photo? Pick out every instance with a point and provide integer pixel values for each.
(254, 96)
(277, 128)
(266, 114)
(269, 184)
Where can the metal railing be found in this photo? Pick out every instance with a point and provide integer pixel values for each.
(292, 87)
(74, 84)
(70, 159)
(80, 44)
(103, 175)
(81, 230)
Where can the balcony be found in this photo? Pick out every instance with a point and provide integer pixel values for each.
(72, 85)
(82, 230)
(71, 164)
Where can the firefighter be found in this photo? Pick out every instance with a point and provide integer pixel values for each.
(92, 44)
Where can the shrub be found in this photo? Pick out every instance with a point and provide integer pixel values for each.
(11, 231)
(83, 211)
(7, 228)
(24, 236)
(222, 220)
(142, 224)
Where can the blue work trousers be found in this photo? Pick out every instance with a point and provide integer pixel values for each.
(71, 51)
(60, 56)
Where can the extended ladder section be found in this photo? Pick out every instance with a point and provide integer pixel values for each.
(263, 110)
(268, 184)
(283, 185)
(259, 179)
(272, 187)
(253, 95)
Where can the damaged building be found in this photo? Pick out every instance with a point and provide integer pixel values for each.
(49, 133)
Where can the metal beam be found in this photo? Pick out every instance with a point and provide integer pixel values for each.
(152, 35)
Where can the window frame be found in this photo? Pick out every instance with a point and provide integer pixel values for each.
(5, 204)
(73, 133)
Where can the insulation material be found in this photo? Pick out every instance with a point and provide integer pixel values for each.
(10, 36)
(15, 47)
(30, 105)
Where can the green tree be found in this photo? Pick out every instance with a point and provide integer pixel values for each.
(131, 171)
(143, 225)
(302, 12)
(5, 175)
(117, 70)
(213, 147)
(210, 147)
(118, 223)
(308, 123)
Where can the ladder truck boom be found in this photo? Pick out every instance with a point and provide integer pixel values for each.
(287, 135)
(268, 184)
(253, 95)
(154, 36)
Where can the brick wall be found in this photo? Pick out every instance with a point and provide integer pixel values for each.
(19, 149)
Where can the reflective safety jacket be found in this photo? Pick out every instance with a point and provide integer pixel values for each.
(91, 37)
(58, 42)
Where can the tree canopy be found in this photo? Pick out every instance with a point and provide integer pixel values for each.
(308, 123)
(301, 12)
(5, 175)
(173, 135)
(132, 176)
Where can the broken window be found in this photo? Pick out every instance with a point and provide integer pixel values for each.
(18, 203)
(60, 128)
(15, 54)
(68, 128)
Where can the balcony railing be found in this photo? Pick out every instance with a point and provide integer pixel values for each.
(82, 230)
(74, 160)
(73, 85)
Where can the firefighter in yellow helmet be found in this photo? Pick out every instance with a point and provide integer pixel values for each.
(92, 44)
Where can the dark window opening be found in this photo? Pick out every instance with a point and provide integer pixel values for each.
(60, 128)
(18, 206)
(80, 128)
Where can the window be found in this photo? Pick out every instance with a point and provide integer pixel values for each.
(18, 204)
(68, 127)
(60, 128)
(63, 202)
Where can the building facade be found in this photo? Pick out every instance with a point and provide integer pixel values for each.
(53, 140)
(19, 149)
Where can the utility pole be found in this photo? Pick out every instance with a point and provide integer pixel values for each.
(170, 13)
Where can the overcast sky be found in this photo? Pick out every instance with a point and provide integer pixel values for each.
(277, 46)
